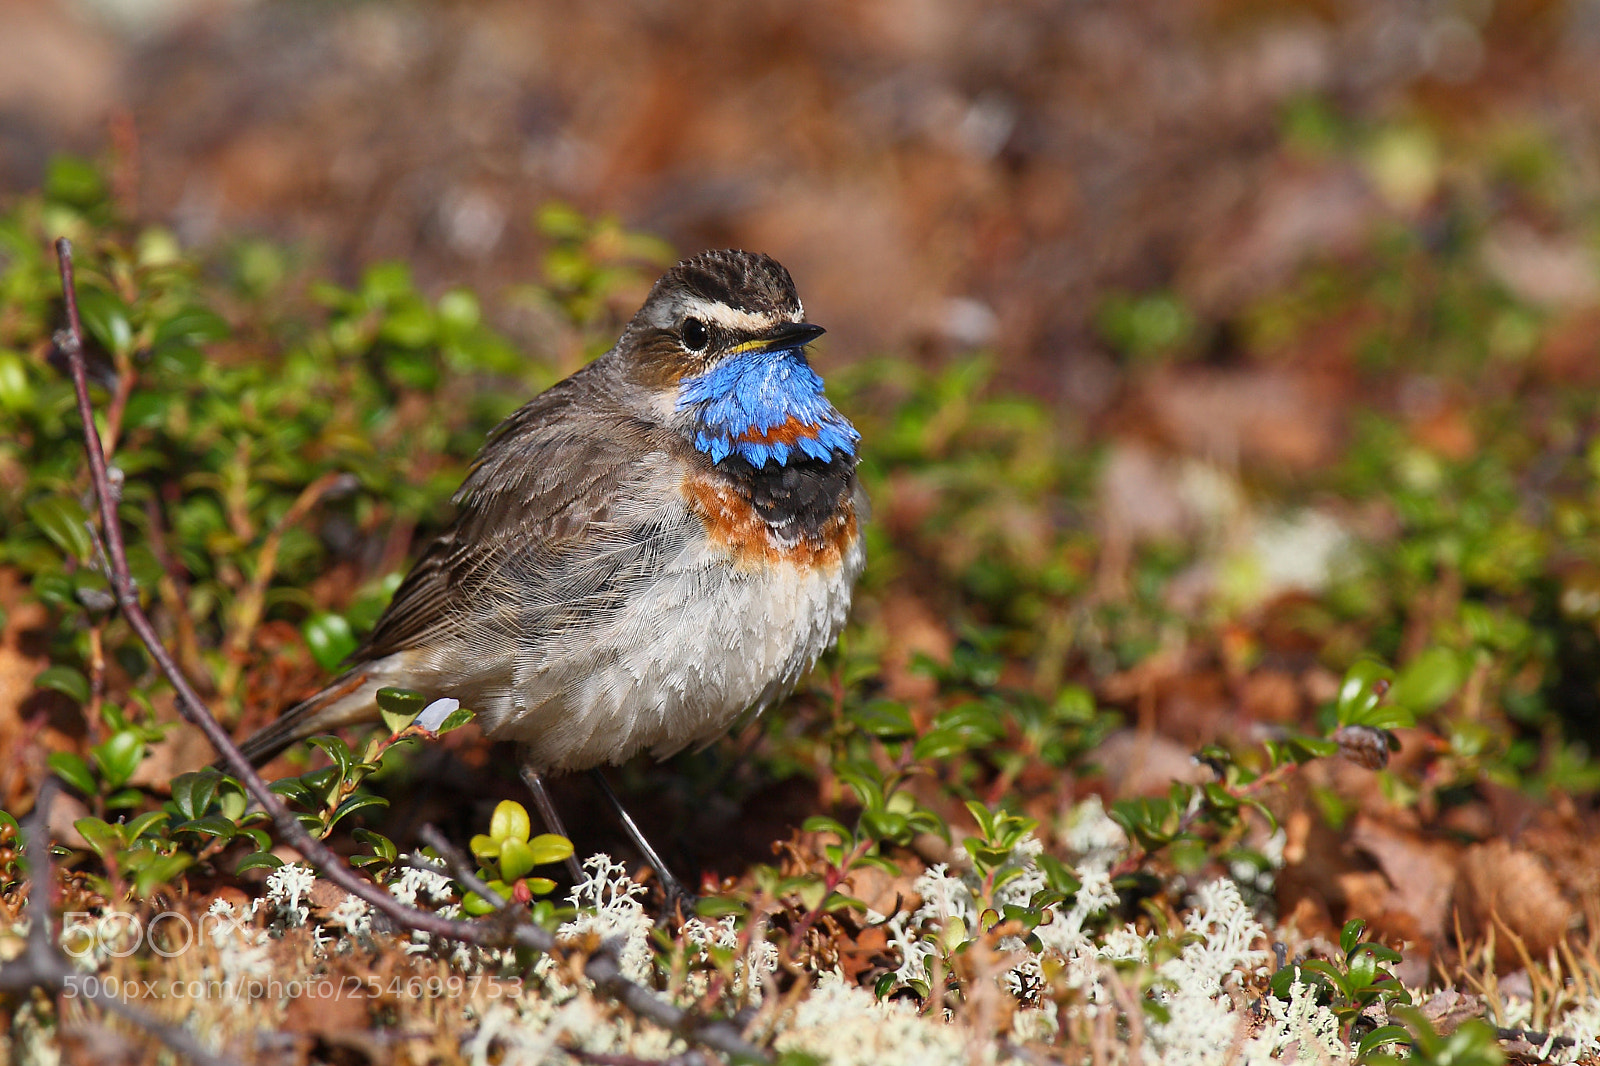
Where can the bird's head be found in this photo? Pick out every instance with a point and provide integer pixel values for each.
(721, 342)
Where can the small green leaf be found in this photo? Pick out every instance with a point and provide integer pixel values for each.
(232, 800)
(105, 317)
(510, 822)
(516, 858)
(75, 181)
(63, 519)
(1328, 972)
(211, 825)
(1428, 680)
(925, 821)
(294, 789)
(1058, 874)
(1308, 748)
(260, 860)
(160, 870)
(339, 751)
(329, 637)
(548, 848)
(938, 744)
(884, 718)
(454, 720)
(1384, 716)
(865, 779)
(1384, 954)
(1350, 935)
(459, 308)
(976, 723)
(1364, 685)
(73, 770)
(16, 392)
(821, 823)
(1382, 1036)
(399, 706)
(321, 782)
(192, 792)
(715, 907)
(66, 680)
(124, 799)
(1283, 981)
(104, 838)
(1363, 970)
(355, 803)
(885, 825)
(476, 905)
(193, 324)
(119, 756)
(142, 824)
(383, 849)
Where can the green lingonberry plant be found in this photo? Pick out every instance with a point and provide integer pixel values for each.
(103, 777)
(1190, 820)
(333, 793)
(1472, 1043)
(508, 855)
(1350, 986)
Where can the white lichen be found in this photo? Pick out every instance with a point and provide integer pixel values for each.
(413, 885)
(609, 905)
(353, 916)
(848, 1026)
(1301, 1030)
(287, 889)
(750, 968)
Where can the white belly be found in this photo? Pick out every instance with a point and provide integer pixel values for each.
(674, 667)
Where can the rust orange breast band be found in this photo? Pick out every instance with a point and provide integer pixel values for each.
(788, 432)
(734, 525)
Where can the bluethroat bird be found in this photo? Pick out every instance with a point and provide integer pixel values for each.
(657, 545)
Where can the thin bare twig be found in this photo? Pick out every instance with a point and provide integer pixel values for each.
(598, 1058)
(190, 706)
(602, 968)
(459, 866)
(40, 964)
(43, 966)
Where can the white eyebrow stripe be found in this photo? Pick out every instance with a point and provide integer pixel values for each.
(721, 314)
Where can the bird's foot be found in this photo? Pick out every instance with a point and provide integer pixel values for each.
(677, 902)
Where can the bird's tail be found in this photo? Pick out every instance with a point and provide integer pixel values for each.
(349, 700)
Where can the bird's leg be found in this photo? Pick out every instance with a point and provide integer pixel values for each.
(673, 888)
(547, 811)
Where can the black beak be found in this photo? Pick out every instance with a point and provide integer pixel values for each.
(793, 335)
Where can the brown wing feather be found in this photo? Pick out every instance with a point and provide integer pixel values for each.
(548, 473)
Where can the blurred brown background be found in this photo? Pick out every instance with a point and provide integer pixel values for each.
(937, 173)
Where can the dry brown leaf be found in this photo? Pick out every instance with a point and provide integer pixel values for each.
(1421, 874)
(1504, 887)
(1146, 764)
(1270, 696)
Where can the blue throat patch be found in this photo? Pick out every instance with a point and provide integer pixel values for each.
(765, 406)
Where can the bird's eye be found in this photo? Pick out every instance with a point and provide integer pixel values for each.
(694, 334)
